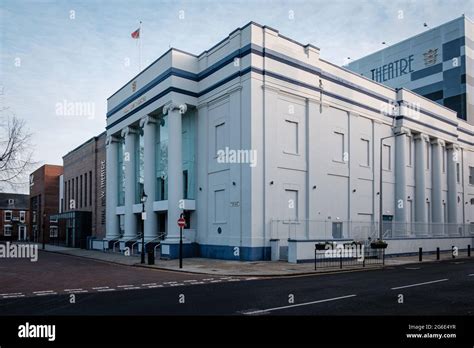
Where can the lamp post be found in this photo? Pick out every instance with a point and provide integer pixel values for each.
(381, 181)
(143, 200)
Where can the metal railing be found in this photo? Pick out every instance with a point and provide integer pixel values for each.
(347, 255)
(284, 229)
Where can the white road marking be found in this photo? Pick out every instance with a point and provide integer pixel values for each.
(300, 304)
(11, 293)
(132, 288)
(234, 280)
(251, 278)
(169, 282)
(46, 293)
(418, 284)
(215, 281)
(13, 296)
(154, 286)
(189, 281)
(43, 292)
(412, 267)
(100, 287)
(199, 283)
(103, 290)
(124, 286)
(470, 275)
(175, 284)
(72, 290)
(148, 284)
(208, 279)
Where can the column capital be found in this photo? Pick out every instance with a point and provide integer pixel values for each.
(128, 131)
(147, 120)
(422, 137)
(182, 108)
(437, 141)
(452, 146)
(111, 139)
(402, 130)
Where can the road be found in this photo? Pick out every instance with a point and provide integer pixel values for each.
(443, 288)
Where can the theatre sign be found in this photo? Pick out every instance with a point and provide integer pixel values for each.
(393, 69)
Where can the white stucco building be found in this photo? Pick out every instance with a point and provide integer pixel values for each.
(313, 133)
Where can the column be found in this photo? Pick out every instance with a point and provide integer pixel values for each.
(148, 123)
(453, 159)
(175, 168)
(130, 136)
(420, 184)
(400, 226)
(112, 222)
(437, 187)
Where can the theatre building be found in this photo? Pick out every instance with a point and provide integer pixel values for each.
(437, 64)
(266, 148)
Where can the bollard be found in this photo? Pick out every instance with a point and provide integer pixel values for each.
(469, 250)
(420, 254)
(452, 252)
(437, 253)
(151, 256)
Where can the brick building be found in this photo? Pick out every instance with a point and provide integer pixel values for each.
(14, 217)
(44, 201)
(84, 185)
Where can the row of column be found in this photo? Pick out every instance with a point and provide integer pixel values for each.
(421, 224)
(175, 177)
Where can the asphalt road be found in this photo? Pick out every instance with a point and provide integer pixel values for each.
(443, 288)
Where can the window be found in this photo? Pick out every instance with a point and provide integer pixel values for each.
(219, 206)
(291, 137)
(21, 232)
(387, 157)
(7, 230)
(34, 216)
(338, 147)
(337, 230)
(53, 231)
(90, 187)
(220, 137)
(8, 215)
(365, 152)
(409, 155)
(185, 184)
(292, 204)
(85, 190)
(458, 173)
(472, 201)
(471, 175)
(11, 201)
(80, 191)
(22, 216)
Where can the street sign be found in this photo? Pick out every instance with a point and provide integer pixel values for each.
(181, 222)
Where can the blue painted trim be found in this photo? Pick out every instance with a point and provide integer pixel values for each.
(440, 237)
(254, 49)
(222, 252)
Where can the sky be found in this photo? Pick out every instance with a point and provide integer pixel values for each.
(78, 53)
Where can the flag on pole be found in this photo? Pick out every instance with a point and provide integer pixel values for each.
(136, 34)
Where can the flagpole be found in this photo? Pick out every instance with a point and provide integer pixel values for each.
(140, 47)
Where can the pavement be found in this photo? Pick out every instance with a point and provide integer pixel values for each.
(239, 268)
(441, 288)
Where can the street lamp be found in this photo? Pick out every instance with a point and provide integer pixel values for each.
(381, 186)
(143, 200)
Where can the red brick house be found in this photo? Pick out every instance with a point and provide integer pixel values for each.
(14, 217)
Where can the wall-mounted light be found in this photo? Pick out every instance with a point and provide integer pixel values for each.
(314, 187)
(354, 190)
(233, 183)
(271, 182)
(200, 189)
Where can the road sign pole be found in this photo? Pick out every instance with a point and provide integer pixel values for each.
(180, 247)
